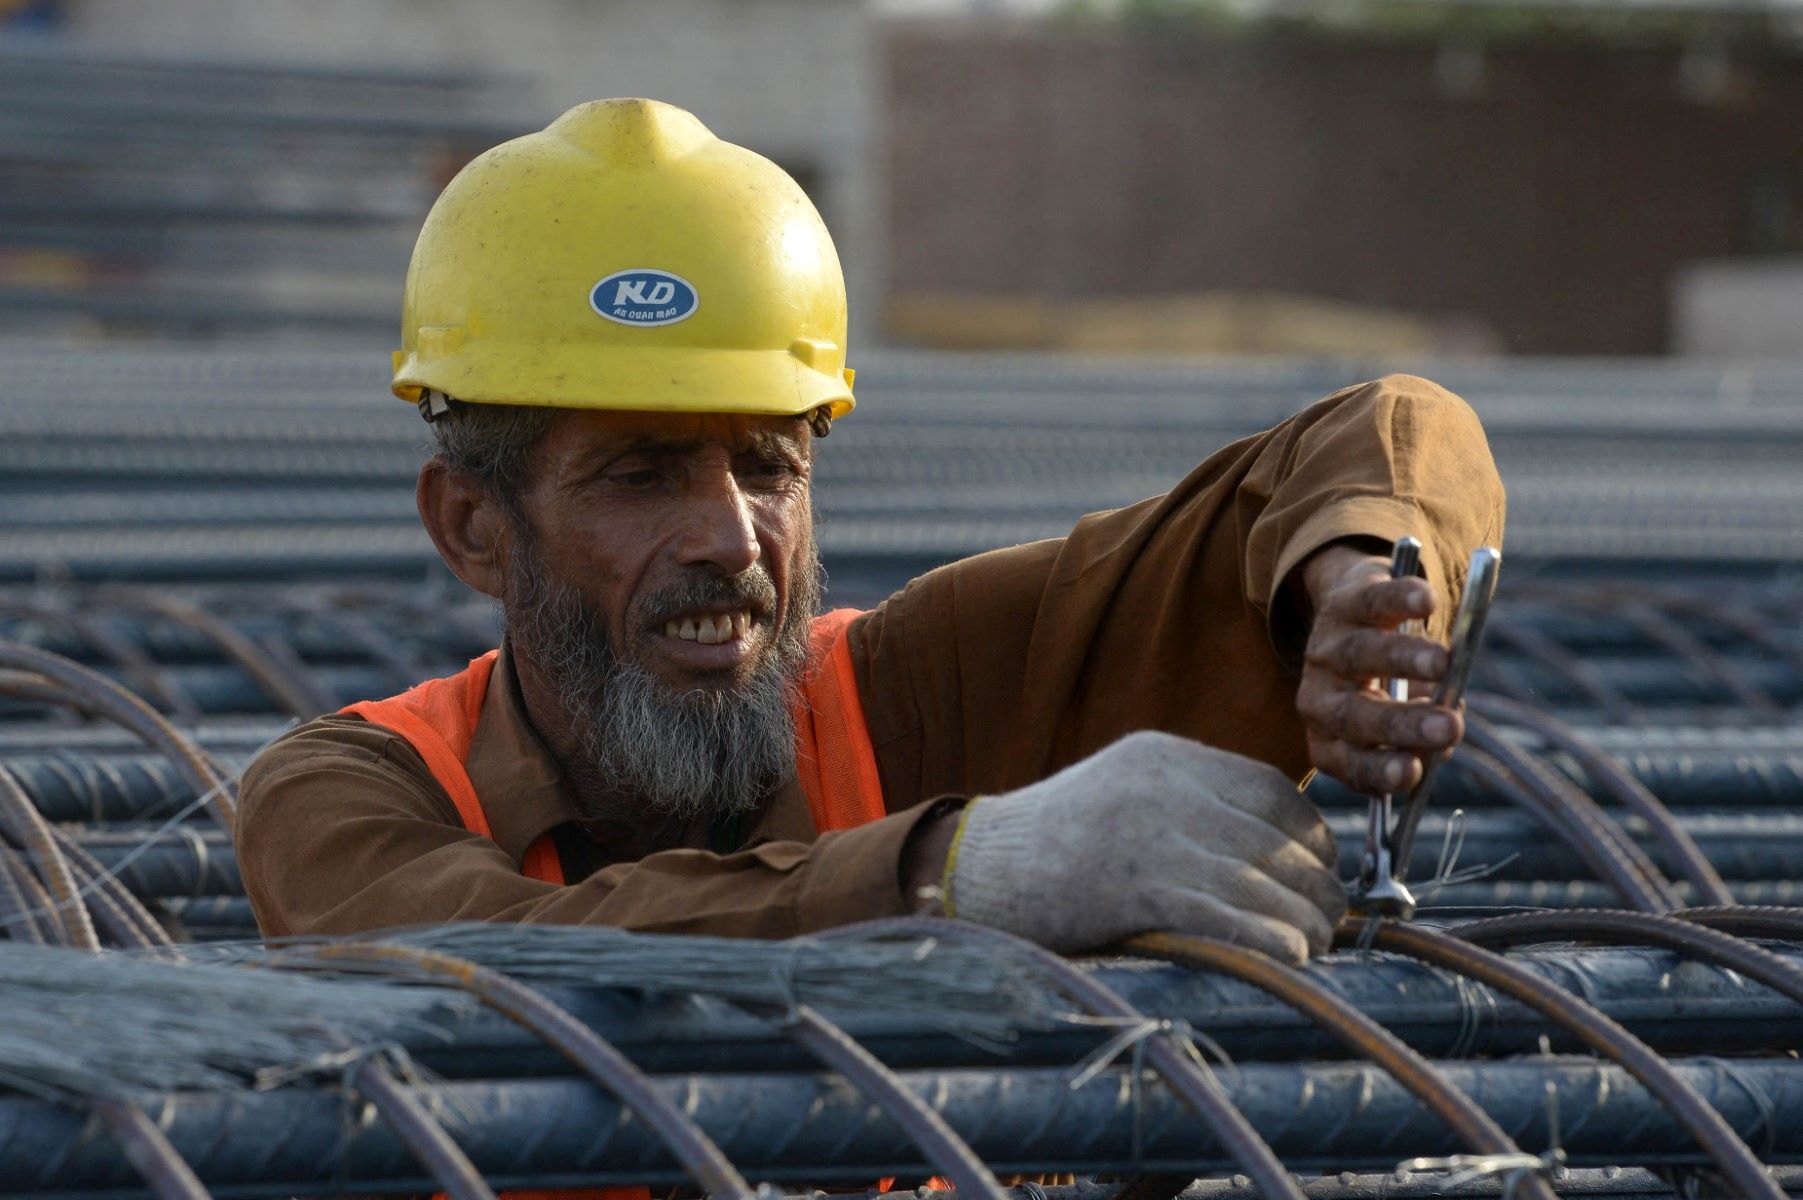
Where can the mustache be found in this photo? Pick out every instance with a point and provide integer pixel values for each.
(753, 589)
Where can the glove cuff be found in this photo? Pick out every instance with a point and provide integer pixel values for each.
(995, 835)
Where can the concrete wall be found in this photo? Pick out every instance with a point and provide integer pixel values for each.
(794, 79)
(1550, 193)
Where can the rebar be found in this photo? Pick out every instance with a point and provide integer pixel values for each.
(80, 685)
(1166, 1054)
(169, 1176)
(1569, 811)
(811, 1128)
(1603, 1035)
(1622, 787)
(448, 1166)
(610, 1069)
(1474, 1127)
(1694, 940)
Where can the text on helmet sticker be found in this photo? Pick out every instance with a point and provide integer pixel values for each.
(644, 296)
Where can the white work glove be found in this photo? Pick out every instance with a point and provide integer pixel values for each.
(1156, 832)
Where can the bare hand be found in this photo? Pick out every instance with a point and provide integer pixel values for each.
(1356, 733)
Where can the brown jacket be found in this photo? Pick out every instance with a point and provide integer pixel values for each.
(1175, 613)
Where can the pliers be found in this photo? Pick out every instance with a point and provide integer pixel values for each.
(1380, 891)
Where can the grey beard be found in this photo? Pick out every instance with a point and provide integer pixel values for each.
(687, 754)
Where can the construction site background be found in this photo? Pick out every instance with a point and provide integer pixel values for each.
(1183, 177)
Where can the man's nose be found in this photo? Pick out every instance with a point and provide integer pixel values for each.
(718, 530)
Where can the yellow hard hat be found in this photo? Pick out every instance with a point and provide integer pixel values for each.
(625, 258)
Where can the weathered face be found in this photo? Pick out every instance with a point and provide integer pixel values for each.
(681, 536)
(661, 581)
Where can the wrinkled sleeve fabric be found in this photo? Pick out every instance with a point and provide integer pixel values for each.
(1172, 614)
(342, 829)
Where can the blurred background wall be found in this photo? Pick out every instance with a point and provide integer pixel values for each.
(1540, 197)
(1555, 177)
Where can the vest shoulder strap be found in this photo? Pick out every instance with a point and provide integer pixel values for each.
(833, 754)
(438, 718)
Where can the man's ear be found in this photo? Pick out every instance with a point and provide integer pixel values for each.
(468, 525)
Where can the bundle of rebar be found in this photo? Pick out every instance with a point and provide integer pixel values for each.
(1625, 468)
(496, 1056)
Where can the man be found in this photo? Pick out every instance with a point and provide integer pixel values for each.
(629, 336)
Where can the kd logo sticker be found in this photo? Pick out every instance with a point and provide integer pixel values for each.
(643, 296)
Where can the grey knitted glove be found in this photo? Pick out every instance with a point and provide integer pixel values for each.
(1154, 832)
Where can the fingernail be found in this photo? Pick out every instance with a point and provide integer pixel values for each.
(1424, 665)
(1393, 773)
(1437, 729)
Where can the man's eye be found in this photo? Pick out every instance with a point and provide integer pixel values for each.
(769, 471)
(642, 479)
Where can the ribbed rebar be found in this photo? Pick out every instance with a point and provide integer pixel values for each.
(1187, 1078)
(25, 828)
(19, 915)
(110, 902)
(1556, 659)
(582, 1046)
(1693, 940)
(1626, 790)
(1748, 920)
(449, 1167)
(1473, 1126)
(1601, 839)
(1591, 1027)
(292, 694)
(169, 1177)
(1597, 848)
(949, 1153)
(100, 694)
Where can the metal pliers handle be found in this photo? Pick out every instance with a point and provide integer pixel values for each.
(1380, 891)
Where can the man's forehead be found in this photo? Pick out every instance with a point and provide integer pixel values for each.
(596, 429)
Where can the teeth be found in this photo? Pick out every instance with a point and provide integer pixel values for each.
(710, 630)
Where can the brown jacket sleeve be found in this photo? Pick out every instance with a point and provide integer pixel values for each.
(996, 671)
(342, 829)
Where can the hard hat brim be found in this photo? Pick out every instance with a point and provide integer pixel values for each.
(698, 380)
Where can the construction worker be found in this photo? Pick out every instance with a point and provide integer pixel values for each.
(629, 339)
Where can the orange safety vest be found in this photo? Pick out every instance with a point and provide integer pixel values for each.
(833, 757)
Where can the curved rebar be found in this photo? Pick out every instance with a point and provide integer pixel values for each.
(404, 668)
(1692, 650)
(22, 824)
(109, 901)
(1594, 848)
(1691, 939)
(132, 661)
(1738, 618)
(1621, 786)
(81, 685)
(1189, 1079)
(1616, 857)
(295, 697)
(169, 1176)
(582, 1046)
(1589, 1025)
(18, 914)
(950, 1154)
(423, 1136)
(1748, 920)
(1557, 660)
(1358, 1032)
